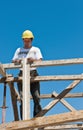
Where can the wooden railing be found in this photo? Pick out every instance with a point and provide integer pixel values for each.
(26, 79)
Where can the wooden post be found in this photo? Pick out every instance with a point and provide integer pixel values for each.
(26, 90)
(13, 93)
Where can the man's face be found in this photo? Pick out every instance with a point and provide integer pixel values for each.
(27, 40)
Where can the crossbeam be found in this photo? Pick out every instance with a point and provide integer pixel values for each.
(43, 78)
(47, 63)
(40, 122)
(64, 102)
(59, 97)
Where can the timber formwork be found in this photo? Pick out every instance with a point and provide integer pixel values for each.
(68, 120)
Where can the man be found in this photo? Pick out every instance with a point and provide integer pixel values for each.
(32, 54)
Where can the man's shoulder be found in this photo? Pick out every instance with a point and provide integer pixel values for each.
(34, 48)
(20, 48)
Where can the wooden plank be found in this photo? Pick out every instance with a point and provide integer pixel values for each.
(43, 78)
(26, 90)
(59, 97)
(12, 66)
(57, 78)
(65, 103)
(2, 70)
(13, 94)
(69, 95)
(14, 101)
(48, 63)
(65, 127)
(58, 62)
(40, 122)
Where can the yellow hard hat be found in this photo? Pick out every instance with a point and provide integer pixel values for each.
(27, 34)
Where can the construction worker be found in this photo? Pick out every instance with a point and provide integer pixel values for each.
(32, 54)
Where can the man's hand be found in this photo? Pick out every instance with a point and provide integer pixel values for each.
(30, 60)
(16, 61)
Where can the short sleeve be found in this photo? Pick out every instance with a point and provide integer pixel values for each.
(16, 54)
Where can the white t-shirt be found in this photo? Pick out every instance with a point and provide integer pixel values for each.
(33, 52)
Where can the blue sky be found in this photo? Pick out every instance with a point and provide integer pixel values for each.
(58, 29)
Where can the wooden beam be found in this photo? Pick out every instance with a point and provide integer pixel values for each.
(47, 63)
(43, 78)
(57, 78)
(69, 95)
(14, 101)
(40, 122)
(13, 93)
(12, 66)
(26, 90)
(48, 96)
(65, 103)
(59, 97)
(58, 62)
(2, 70)
(65, 127)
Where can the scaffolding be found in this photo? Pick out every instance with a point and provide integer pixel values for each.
(67, 120)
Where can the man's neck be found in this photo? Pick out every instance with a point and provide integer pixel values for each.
(27, 47)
